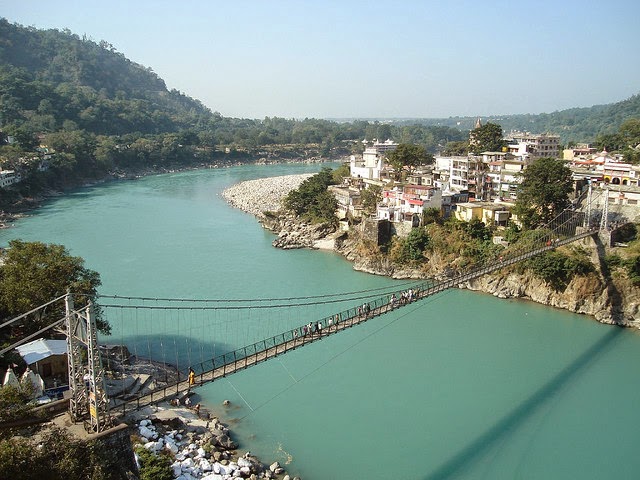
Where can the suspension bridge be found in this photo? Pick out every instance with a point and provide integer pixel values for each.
(172, 333)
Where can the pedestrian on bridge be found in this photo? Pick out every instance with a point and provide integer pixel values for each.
(192, 377)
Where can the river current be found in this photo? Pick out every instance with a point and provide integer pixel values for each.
(461, 385)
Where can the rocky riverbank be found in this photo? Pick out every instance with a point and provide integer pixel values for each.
(199, 444)
(264, 194)
(263, 199)
(611, 300)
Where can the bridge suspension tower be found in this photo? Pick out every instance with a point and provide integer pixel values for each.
(86, 373)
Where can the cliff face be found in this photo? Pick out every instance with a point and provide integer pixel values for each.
(292, 233)
(619, 304)
(609, 299)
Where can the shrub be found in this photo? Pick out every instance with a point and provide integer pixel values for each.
(633, 269)
(558, 268)
(57, 456)
(154, 467)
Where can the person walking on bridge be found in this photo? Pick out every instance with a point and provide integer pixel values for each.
(192, 377)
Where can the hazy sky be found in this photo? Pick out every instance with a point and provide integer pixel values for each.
(365, 59)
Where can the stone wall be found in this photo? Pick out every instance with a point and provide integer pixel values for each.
(374, 230)
(117, 442)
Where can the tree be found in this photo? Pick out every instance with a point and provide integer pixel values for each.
(630, 132)
(370, 198)
(56, 455)
(431, 215)
(34, 273)
(410, 249)
(312, 200)
(487, 138)
(460, 147)
(544, 192)
(408, 155)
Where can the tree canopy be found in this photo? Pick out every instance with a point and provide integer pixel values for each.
(312, 200)
(408, 155)
(544, 191)
(487, 138)
(33, 273)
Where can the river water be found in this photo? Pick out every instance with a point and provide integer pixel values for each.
(461, 385)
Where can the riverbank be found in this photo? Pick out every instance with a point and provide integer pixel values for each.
(609, 299)
(264, 194)
(199, 443)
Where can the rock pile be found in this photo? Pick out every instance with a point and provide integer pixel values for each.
(263, 194)
(201, 449)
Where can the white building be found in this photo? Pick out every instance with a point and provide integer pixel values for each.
(465, 173)
(531, 146)
(371, 163)
(9, 177)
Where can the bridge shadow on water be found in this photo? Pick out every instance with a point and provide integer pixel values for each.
(474, 450)
(176, 351)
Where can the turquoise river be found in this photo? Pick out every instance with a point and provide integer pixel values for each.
(461, 385)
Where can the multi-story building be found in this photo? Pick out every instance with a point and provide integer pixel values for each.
(405, 202)
(349, 201)
(510, 178)
(9, 177)
(531, 146)
(466, 173)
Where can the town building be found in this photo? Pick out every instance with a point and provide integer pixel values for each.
(490, 213)
(404, 203)
(581, 151)
(531, 146)
(349, 201)
(9, 177)
(371, 163)
(465, 173)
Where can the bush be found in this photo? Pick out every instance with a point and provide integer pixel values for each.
(633, 269)
(56, 457)
(557, 268)
(311, 199)
(154, 467)
(15, 402)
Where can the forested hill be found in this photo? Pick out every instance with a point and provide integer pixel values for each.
(573, 125)
(48, 77)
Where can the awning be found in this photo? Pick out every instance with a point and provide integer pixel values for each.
(40, 349)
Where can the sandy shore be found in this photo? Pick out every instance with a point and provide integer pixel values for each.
(263, 194)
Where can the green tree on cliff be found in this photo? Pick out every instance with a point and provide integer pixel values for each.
(312, 200)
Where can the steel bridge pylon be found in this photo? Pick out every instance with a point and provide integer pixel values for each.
(86, 374)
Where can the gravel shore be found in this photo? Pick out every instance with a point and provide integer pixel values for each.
(263, 194)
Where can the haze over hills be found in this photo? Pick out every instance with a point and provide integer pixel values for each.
(574, 124)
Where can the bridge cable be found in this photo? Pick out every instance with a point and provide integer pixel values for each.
(225, 300)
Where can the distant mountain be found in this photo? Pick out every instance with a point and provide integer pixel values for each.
(574, 124)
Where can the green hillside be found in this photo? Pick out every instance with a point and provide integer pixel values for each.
(48, 77)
